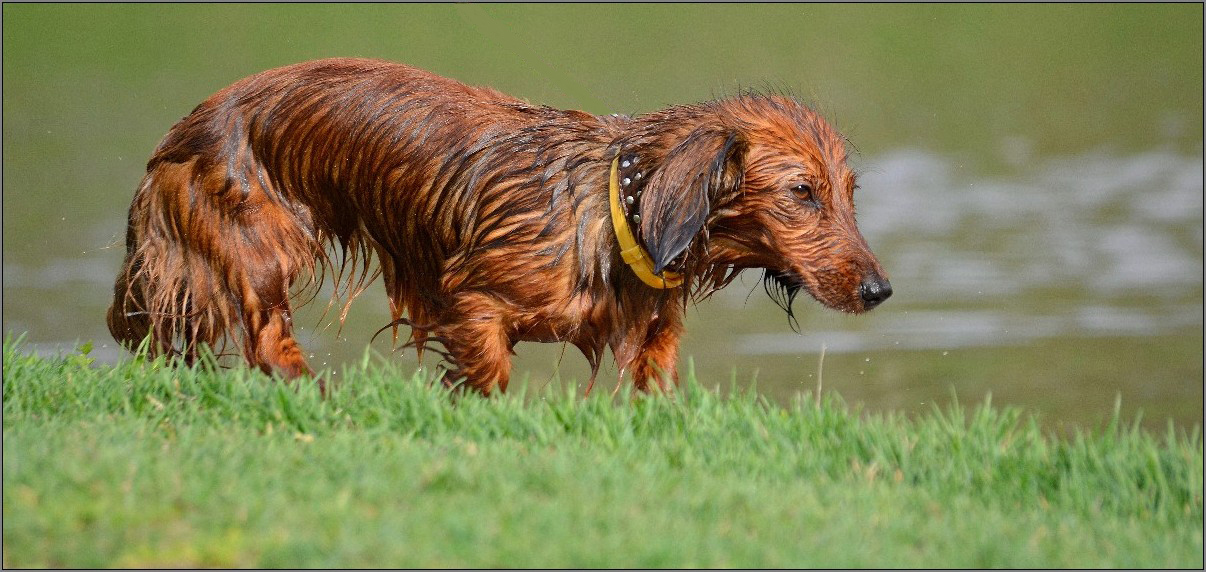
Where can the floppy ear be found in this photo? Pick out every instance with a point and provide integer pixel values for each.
(680, 191)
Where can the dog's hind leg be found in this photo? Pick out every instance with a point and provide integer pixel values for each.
(268, 333)
(212, 251)
(256, 244)
(271, 255)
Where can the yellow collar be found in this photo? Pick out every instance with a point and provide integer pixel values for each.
(630, 251)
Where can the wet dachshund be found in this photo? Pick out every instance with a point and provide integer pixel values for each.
(492, 220)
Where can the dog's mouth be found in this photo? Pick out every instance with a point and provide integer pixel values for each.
(784, 286)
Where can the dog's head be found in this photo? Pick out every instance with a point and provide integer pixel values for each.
(762, 182)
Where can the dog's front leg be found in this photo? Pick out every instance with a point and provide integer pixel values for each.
(655, 363)
(476, 336)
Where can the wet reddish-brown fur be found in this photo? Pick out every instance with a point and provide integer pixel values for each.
(487, 216)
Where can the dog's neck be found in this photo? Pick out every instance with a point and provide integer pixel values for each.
(648, 152)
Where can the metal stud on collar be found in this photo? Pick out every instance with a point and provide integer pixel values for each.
(630, 198)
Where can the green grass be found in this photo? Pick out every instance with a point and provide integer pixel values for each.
(143, 465)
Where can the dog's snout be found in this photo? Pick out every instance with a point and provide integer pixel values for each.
(874, 290)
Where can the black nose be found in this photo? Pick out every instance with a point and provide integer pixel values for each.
(875, 289)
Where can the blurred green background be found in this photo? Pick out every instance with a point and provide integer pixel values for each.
(1031, 174)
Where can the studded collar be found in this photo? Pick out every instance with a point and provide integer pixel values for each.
(627, 180)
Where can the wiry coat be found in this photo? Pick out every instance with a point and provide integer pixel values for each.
(489, 217)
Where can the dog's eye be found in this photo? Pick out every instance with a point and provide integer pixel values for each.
(803, 192)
